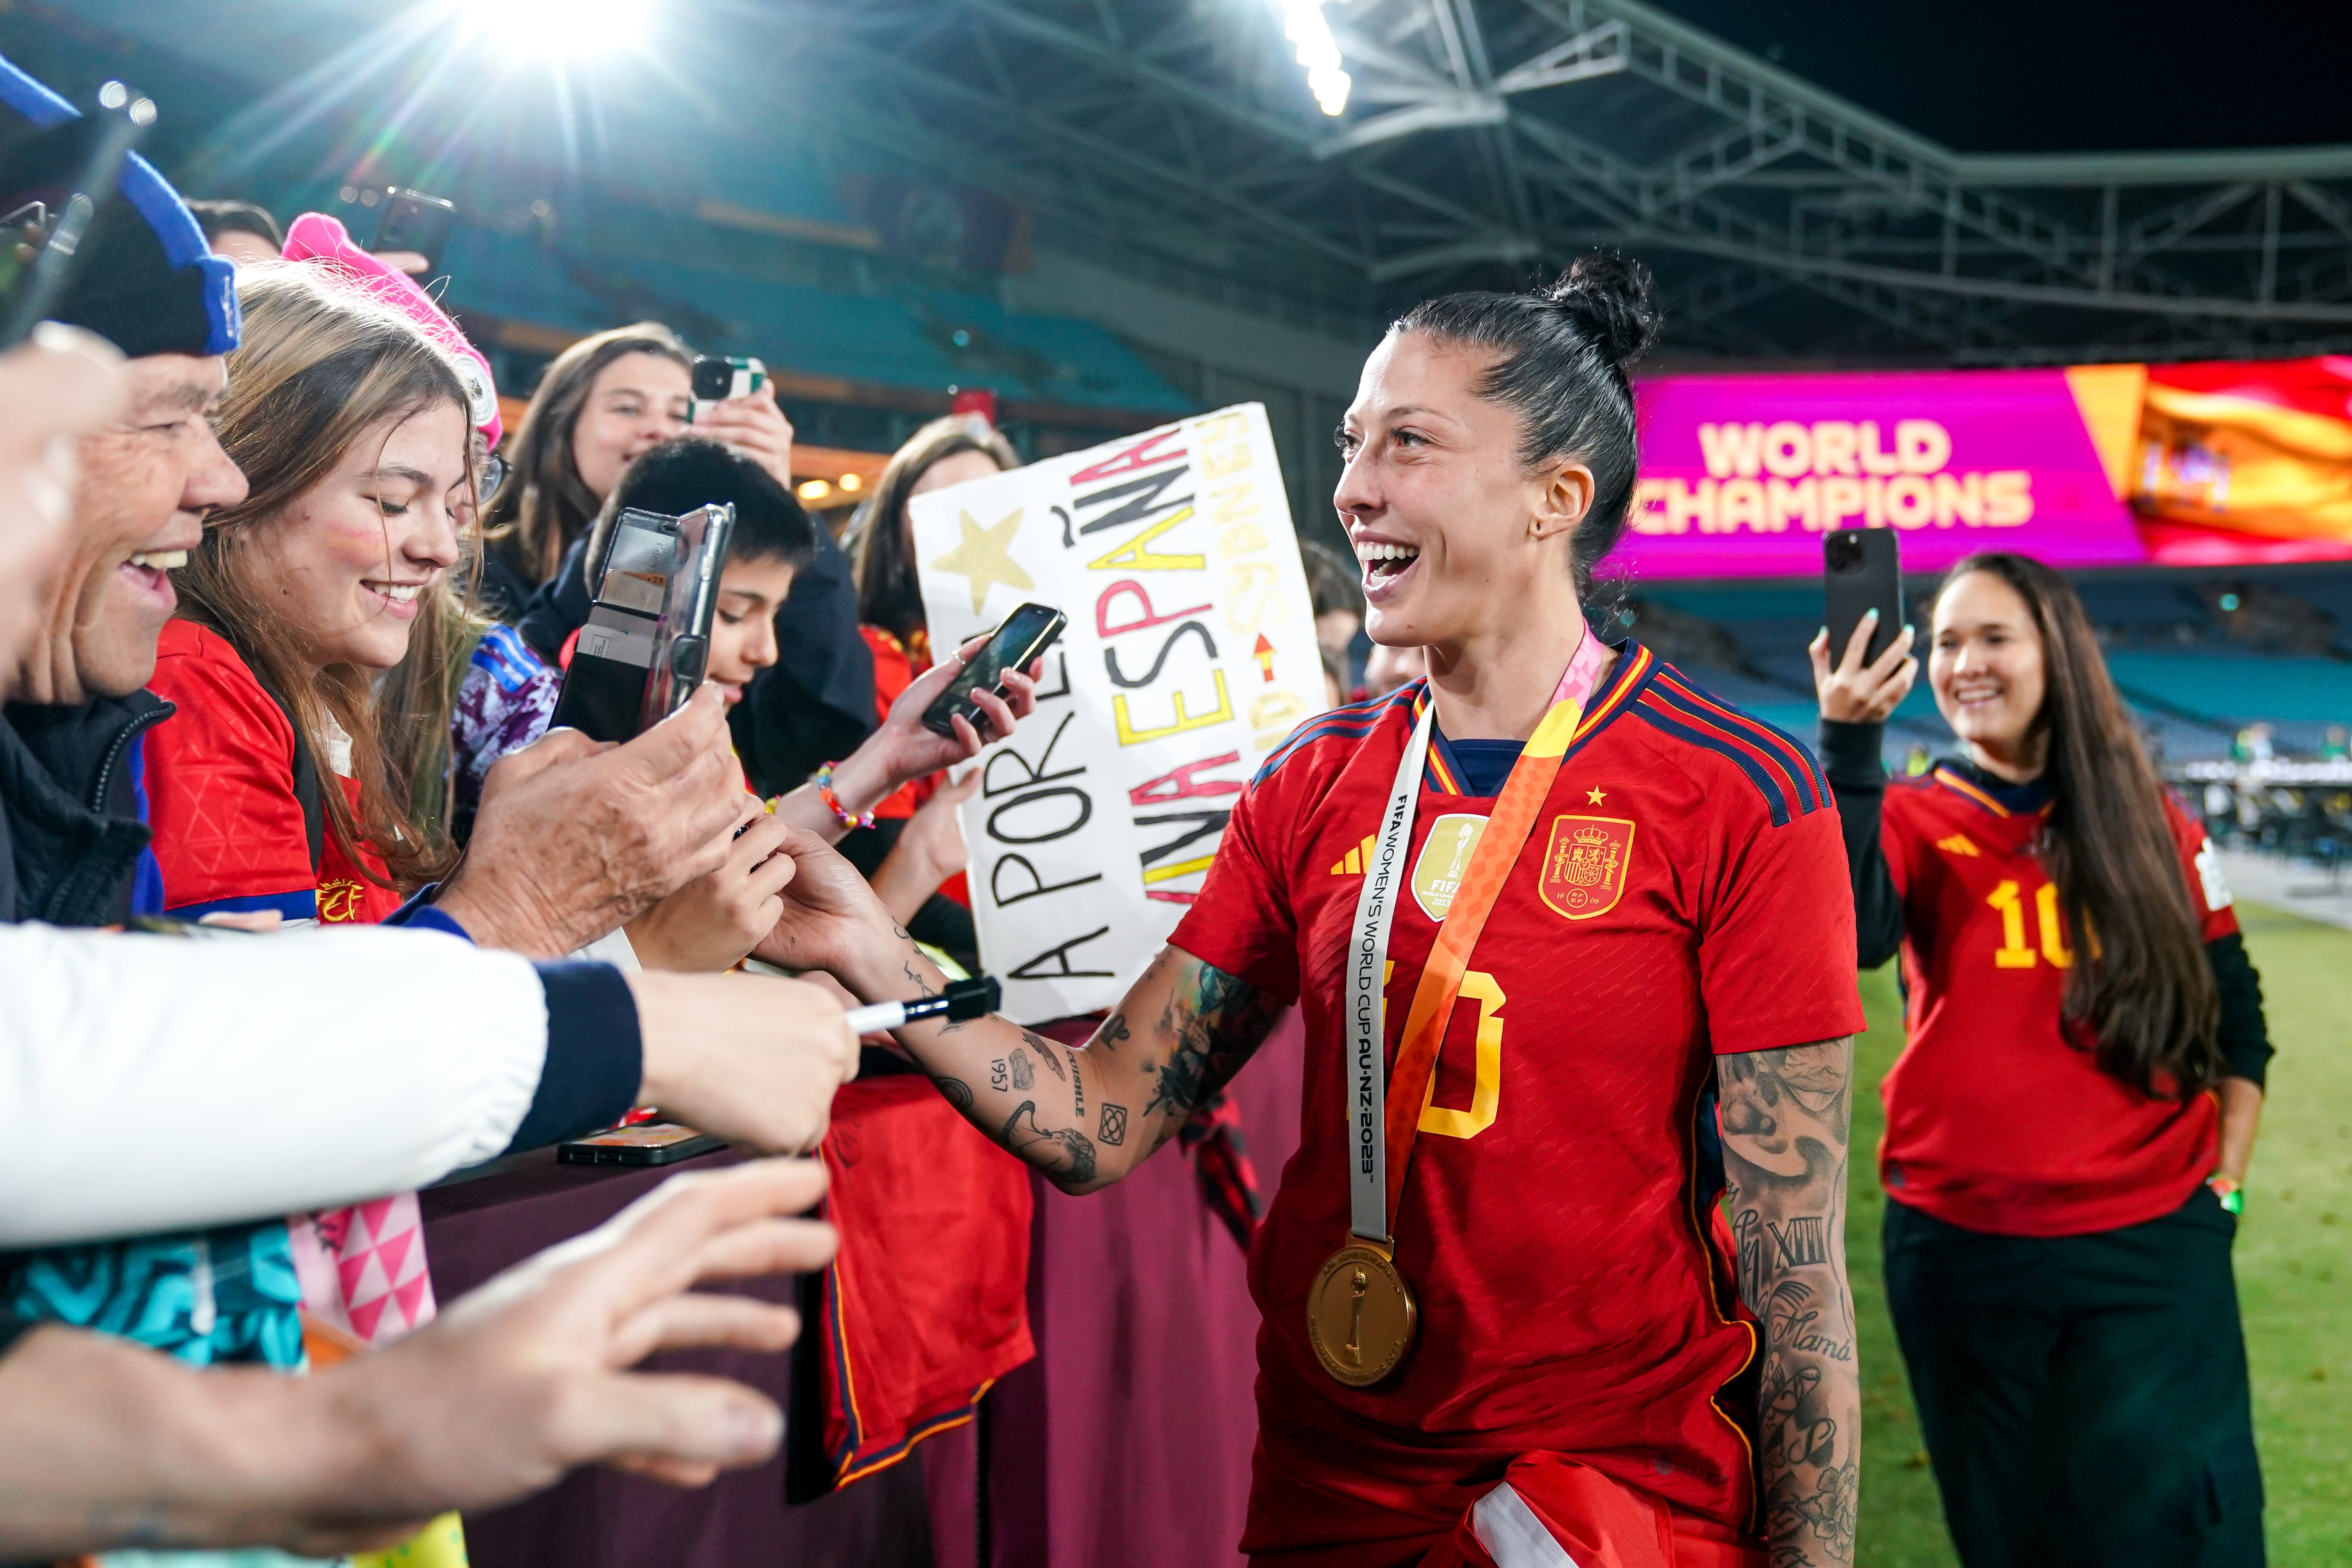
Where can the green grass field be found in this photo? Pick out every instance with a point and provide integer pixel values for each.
(2293, 1243)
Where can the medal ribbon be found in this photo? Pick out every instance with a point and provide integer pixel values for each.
(1384, 1151)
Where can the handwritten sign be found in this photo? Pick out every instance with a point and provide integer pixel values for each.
(1190, 655)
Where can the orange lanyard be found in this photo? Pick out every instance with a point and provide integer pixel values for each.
(1384, 1140)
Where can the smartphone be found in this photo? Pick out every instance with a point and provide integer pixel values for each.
(1862, 570)
(1025, 634)
(53, 180)
(647, 639)
(682, 639)
(415, 221)
(717, 378)
(651, 1143)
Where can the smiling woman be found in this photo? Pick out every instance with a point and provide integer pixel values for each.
(351, 426)
(1497, 1305)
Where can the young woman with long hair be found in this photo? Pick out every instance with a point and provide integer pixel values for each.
(352, 429)
(2068, 1129)
(601, 405)
(917, 826)
(950, 451)
(1500, 1305)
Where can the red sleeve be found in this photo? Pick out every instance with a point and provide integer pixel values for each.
(894, 669)
(1776, 943)
(2208, 891)
(1242, 923)
(220, 782)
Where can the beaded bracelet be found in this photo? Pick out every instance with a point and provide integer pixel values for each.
(848, 818)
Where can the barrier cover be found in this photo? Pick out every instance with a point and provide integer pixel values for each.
(2127, 465)
(1190, 655)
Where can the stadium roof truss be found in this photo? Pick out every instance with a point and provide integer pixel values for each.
(1488, 139)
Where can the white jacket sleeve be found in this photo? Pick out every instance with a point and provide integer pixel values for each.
(155, 1083)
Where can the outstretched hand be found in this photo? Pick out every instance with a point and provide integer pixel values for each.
(527, 1376)
(1860, 692)
(903, 748)
(512, 1386)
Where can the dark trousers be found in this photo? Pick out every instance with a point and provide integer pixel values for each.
(2084, 1398)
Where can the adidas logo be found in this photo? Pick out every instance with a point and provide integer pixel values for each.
(1958, 844)
(1356, 859)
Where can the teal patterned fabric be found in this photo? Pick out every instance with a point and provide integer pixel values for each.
(215, 1297)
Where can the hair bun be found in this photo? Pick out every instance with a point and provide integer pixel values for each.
(1609, 298)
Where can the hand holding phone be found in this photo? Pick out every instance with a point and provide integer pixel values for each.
(1863, 663)
(1016, 644)
(647, 639)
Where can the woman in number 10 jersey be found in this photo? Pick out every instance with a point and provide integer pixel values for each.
(1539, 910)
(2070, 1119)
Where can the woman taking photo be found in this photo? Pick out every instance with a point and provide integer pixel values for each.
(1498, 1313)
(601, 405)
(2068, 1129)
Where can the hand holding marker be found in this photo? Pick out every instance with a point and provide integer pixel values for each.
(972, 998)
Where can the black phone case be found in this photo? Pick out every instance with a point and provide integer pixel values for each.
(411, 223)
(940, 717)
(600, 697)
(623, 1154)
(1874, 582)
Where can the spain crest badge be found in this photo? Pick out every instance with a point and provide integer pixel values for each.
(1584, 866)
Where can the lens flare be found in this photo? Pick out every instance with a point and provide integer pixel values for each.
(560, 28)
(1303, 24)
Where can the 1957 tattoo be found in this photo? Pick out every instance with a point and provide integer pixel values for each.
(1132, 1086)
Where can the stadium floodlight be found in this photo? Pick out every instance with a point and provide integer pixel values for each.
(1303, 24)
(567, 28)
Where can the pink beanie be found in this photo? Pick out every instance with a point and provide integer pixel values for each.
(315, 236)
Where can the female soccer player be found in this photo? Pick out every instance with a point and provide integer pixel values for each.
(1496, 1257)
(2068, 1130)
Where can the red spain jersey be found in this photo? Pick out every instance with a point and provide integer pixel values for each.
(1996, 1120)
(229, 832)
(1682, 894)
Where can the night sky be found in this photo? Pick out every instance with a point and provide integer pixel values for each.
(2036, 76)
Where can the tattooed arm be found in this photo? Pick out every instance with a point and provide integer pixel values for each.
(1784, 1158)
(1085, 1117)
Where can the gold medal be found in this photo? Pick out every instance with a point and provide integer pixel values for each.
(1361, 1315)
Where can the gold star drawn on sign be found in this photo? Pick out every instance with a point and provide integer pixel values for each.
(1592, 796)
(985, 557)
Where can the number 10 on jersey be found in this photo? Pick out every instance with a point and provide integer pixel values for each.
(2013, 953)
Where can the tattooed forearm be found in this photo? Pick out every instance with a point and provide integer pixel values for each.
(1784, 1155)
(1066, 1155)
(1211, 1023)
(1040, 1098)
